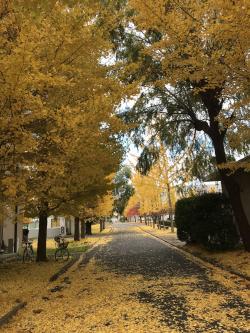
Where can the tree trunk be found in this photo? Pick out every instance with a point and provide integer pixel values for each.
(154, 221)
(233, 191)
(83, 229)
(1, 236)
(42, 234)
(101, 225)
(88, 228)
(159, 221)
(15, 229)
(77, 229)
(211, 99)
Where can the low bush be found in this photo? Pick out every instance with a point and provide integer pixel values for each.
(183, 218)
(206, 219)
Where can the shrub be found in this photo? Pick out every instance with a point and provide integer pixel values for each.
(183, 219)
(206, 219)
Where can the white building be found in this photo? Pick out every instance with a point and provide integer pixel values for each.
(11, 233)
(10, 236)
(56, 225)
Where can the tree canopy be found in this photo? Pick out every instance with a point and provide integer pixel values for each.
(58, 134)
(186, 67)
(66, 67)
(154, 192)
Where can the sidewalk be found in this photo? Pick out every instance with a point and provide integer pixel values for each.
(164, 234)
(236, 261)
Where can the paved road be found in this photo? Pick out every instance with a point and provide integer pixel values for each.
(133, 283)
(190, 298)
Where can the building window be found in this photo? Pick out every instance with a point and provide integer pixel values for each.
(55, 223)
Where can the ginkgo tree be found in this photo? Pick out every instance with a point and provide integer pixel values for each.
(154, 191)
(57, 135)
(104, 208)
(187, 66)
(105, 205)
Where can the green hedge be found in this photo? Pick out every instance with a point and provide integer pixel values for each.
(206, 219)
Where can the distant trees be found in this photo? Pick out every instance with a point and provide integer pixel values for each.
(123, 189)
(154, 192)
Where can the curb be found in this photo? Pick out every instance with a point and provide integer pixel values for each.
(68, 265)
(200, 257)
(8, 316)
(65, 268)
(92, 247)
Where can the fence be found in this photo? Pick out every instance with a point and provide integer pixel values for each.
(157, 222)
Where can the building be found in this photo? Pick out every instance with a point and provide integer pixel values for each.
(11, 232)
(10, 236)
(56, 225)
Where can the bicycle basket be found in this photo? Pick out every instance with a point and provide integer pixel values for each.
(57, 239)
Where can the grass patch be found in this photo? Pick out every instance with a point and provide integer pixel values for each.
(73, 246)
(237, 260)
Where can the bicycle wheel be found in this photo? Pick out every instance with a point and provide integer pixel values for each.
(31, 253)
(58, 254)
(65, 254)
(27, 256)
(62, 254)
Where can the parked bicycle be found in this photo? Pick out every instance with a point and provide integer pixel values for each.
(28, 252)
(62, 252)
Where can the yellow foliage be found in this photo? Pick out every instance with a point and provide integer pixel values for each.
(154, 192)
(104, 206)
(203, 31)
(102, 300)
(204, 47)
(56, 105)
